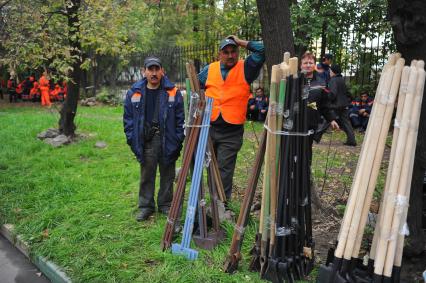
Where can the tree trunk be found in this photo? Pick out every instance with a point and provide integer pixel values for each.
(69, 108)
(408, 20)
(276, 30)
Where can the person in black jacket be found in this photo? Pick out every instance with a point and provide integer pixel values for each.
(340, 102)
(318, 100)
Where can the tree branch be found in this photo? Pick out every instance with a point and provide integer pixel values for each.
(4, 4)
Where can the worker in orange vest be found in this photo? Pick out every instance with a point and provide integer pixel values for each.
(228, 81)
(35, 92)
(44, 89)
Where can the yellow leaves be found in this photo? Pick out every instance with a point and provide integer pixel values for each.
(45, 233)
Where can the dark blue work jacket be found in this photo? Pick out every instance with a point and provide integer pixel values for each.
(171, 120)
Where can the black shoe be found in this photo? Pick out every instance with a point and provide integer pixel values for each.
(350, 143)
(144, 214)
(164, 210)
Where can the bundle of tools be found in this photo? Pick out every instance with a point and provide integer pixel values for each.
(196, 139)
(284, 246)
(386, 250)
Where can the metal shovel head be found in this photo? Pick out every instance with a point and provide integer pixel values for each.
(377, 278)
(359, 273)
(271, 272)
(254, 265)
(284, 272)
(231, 263)
(189, 253)
(396, 274)
(329, 273)
(210, 241)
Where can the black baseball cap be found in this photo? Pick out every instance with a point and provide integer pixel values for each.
(226, 42)
(152, 61)
(327, 56)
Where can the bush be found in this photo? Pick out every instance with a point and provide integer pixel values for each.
(109, 96)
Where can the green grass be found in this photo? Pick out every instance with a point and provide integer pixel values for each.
(76, 204)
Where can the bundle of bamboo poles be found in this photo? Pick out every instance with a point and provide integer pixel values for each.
(346, 266)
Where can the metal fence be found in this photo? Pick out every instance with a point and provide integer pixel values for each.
(361, 52)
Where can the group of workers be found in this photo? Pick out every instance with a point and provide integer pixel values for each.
(154, 114)
(44, 90)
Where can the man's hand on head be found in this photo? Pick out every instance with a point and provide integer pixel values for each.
(240, 42)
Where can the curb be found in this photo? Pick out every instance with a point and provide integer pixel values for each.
(48, 268)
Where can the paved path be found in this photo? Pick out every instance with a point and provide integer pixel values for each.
(15, 267)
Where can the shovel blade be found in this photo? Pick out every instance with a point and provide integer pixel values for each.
(271, 272)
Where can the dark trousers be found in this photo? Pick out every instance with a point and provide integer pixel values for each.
(152, 158)
(227, 141)
(359, 121)
(13, 96)
(345, 125)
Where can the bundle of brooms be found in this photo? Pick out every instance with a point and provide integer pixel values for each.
(386, 251)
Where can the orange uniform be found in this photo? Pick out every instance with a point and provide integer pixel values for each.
(230, 96)
(35, 90)
(44, 89)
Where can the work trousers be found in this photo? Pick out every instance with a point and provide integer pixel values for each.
(152, 157)
(345, 124)
(227, 141)
(359, 121)
(45, 98)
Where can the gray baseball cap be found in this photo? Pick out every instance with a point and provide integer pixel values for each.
(152, 61)
(226, 42)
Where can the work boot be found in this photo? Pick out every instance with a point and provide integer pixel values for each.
(144, 214)
(350, 143)
(164, 210)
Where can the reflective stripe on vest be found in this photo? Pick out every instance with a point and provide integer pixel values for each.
(230, 96)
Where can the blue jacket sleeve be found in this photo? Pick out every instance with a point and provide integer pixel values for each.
(128, 118)
(202, 76)
(254, 61)
(179, 116)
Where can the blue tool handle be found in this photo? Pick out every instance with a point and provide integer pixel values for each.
(196, 176)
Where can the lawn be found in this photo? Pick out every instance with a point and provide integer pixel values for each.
(76, 205)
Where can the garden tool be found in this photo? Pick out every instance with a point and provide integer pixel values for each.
(234, 254)
(349, 228)
(197, 104)
(184, 247)
(210, 239)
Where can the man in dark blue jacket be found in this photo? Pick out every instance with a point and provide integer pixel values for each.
(360, 112)
(153, 123)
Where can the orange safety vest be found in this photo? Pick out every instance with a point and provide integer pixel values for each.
(230, 96)
(44, 83)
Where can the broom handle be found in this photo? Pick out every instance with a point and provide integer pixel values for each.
(400, 107)
(406, 174)
(364, 163)
(353, 192)
(389, 201)
(377, 161)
